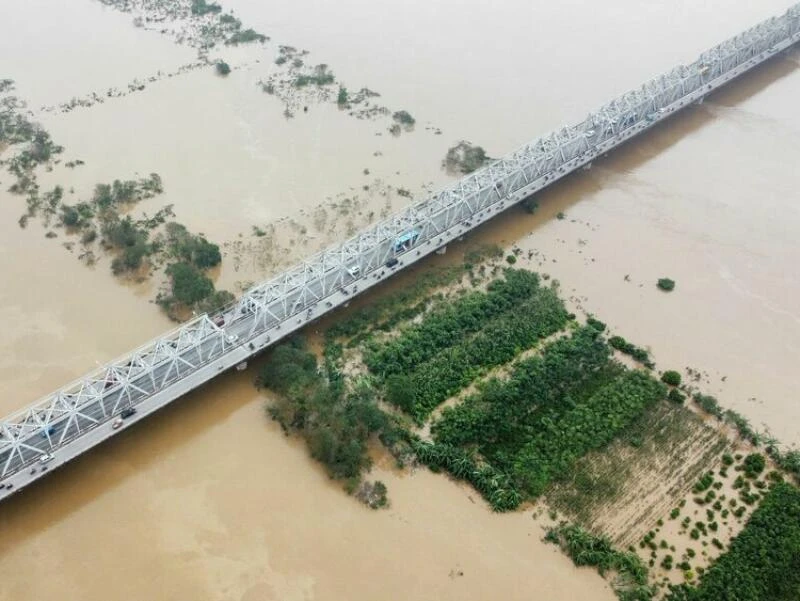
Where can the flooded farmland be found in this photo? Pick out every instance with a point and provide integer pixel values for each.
(209, 500)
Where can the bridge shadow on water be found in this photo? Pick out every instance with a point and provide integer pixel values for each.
(104, 468)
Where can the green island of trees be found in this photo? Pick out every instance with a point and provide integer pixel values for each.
(336, 421)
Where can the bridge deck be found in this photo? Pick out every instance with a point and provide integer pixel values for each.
(74, 419)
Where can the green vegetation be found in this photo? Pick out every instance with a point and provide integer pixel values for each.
(191, 248)
(552, 409)
(201, 7)
(246, 36)
(189, 285)
(623, 346)
(404, 118)
(671, 378)
(373, 494)
(530, 204)
(107, 197)
(386, 312)
(223, 68)
(676, 396)
(595, 324)
(464, 158)
(439, 367)
(786, 460)
(763, 561)
(753, 465)
(320, 76)
(550, 453)
(342, 97)
(666, 284)
(336, 420)
(128, 237)
(708, 404)
(586, 549)
(449, 324)
(495, 486)
(227, 19)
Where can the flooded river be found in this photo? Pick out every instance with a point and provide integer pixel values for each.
(208, 500)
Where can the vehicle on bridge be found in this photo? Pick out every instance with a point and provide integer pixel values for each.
(46, 432)
(127, 412)
(406, 241)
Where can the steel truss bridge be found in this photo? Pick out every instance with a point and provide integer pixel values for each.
(79, 416)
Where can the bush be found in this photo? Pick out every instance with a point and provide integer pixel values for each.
(69, 216)
(753, 465)
(709, 404)
(671, 378)
(623, 346)
(404, 118)
(342, 98)
(596, 324)
(676, 396)
(189, 286)
(223, 68)
(464, 158)
(666, 284)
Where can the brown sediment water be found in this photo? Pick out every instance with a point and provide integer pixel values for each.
(208, 500)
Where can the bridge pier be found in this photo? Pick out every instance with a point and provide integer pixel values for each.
(442, 250)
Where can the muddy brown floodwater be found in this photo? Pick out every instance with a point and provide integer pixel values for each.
(208, 500)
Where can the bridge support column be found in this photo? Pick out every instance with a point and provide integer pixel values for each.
(587, 166)
(242, 366)
(700, 100)
(441, 251)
